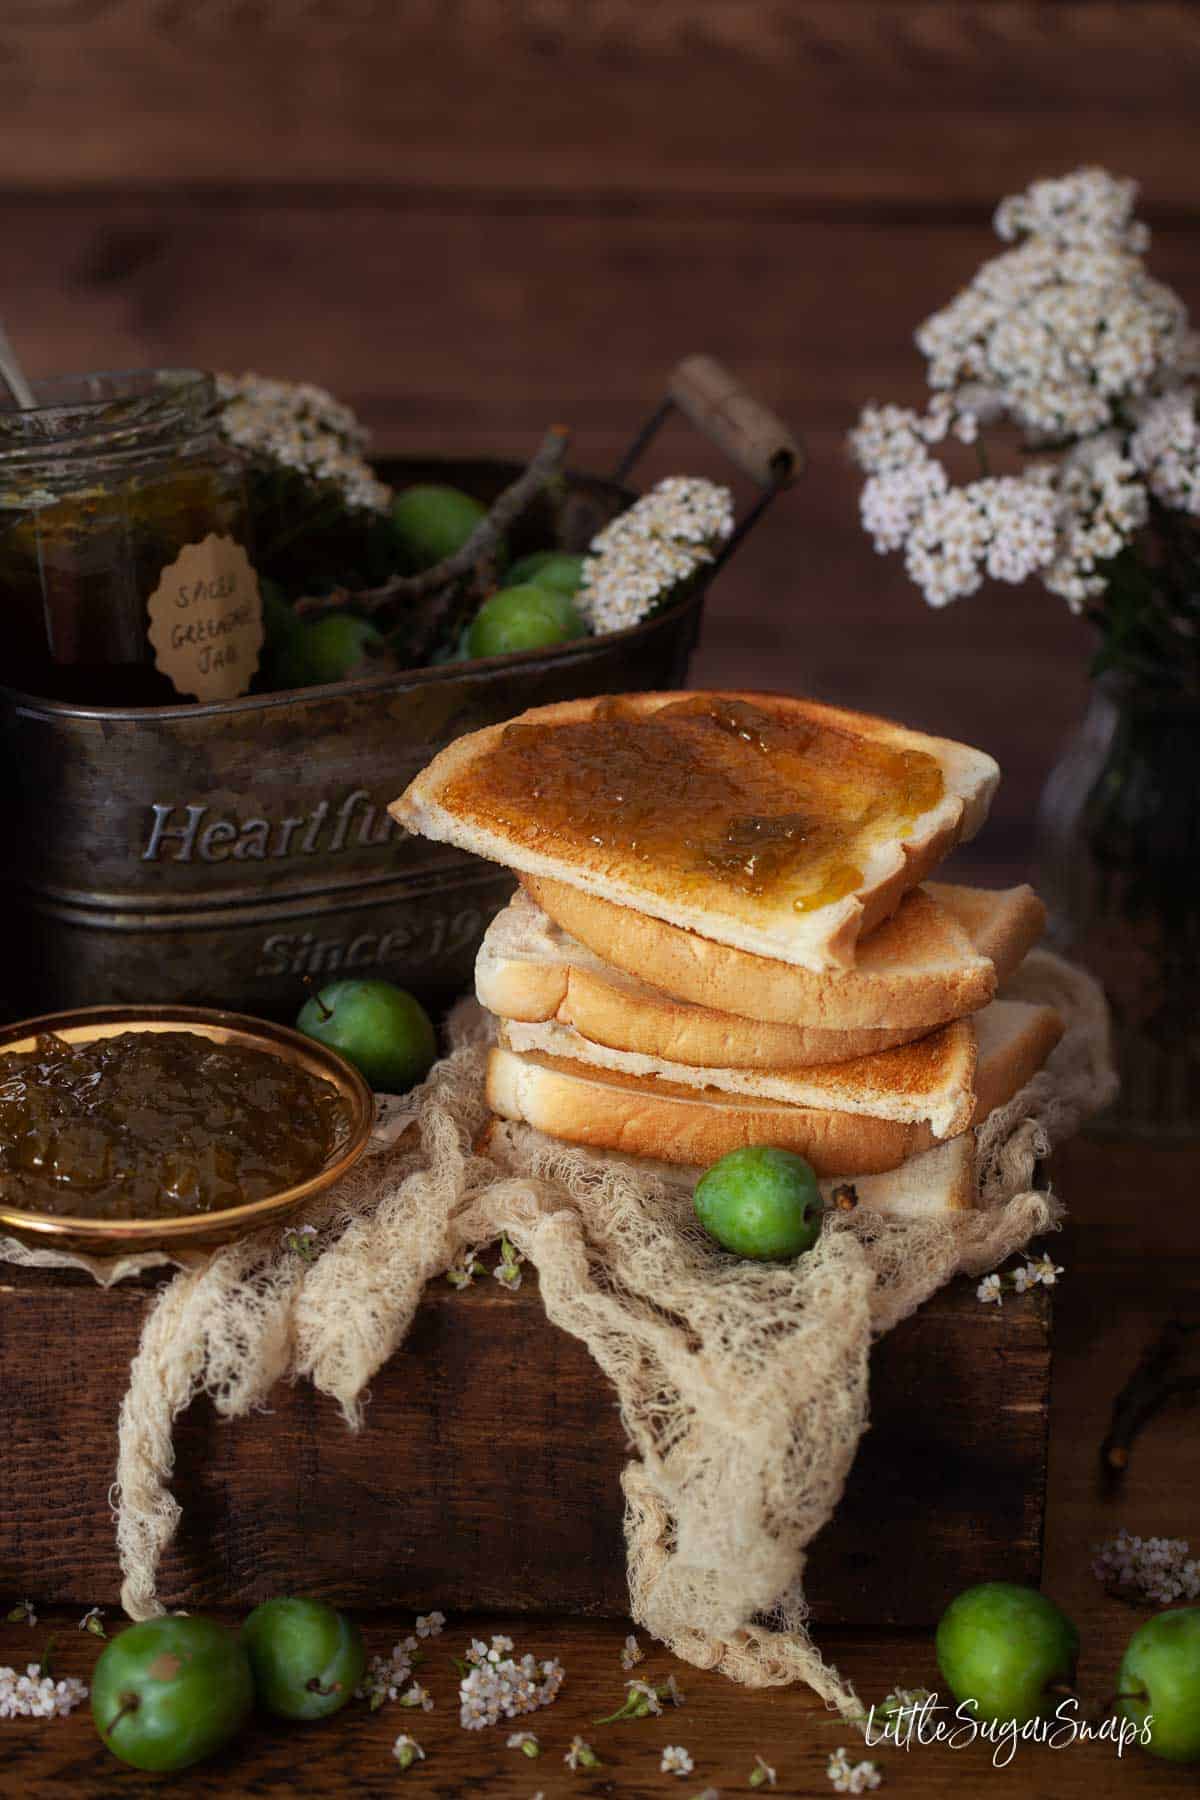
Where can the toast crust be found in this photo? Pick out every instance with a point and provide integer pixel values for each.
(679, 1125)
(648, 1117)
(931, 1184)
(929, 1081)
(821, 938)
(530, 970)
(883, 992)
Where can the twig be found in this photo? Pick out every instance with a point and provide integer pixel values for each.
(1155, 1382)
(475, 556)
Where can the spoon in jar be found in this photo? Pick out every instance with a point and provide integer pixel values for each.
(13, 374)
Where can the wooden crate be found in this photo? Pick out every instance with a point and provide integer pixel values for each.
(487, 1473)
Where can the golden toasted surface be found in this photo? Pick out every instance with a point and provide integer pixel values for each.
(778, 825)
(704, 793)
(930, 1080)
(610, 1111)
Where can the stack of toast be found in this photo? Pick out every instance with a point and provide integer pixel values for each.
(725, 935)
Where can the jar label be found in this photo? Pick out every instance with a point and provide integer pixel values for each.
(206, 622)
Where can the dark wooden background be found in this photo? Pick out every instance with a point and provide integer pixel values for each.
(470, 217)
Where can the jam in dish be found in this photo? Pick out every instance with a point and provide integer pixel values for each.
(153, 1124)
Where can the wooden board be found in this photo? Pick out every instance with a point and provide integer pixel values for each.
(805, 101)
(488, 1471)
(1131, 1258)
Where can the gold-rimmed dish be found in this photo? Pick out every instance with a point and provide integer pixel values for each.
(191, 1231)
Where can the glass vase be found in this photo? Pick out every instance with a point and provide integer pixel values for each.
(1119, 868)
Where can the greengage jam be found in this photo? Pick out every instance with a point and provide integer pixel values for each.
(154, 1124)
(706, 790)
(125, 570)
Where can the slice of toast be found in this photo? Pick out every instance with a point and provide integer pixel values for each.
(645, 1116)
(780, 826)
(918, 969)
(933, 1182)
(530, 969)
(930, 1080)
(941, 1180)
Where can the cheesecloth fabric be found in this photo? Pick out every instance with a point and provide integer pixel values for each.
(743, 1387)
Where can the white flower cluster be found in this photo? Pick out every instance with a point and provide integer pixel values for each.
(646, 551)
(1102, 504)
(1166, 449)
(1162, 1570)
(851, 1778)
(303, 428)
(631, 1653)
(1044, 1273)
(1087, 207)
(1064, 328)
(37, 1696)
(676, 1761)
(1001, 526)
(386, 1676)
(499, 1686)
(1067, 338)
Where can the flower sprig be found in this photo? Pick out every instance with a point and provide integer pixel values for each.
(1042, 1273)
(1065, 343)
(387, 1676)
(1160, 1570)
(463, 1273)
(494, 1684)
(852, 1778)
(407, 1751)
(508, 1270)
(37, 1695)
(645, 1700)
(581, 1755)
(647, 552)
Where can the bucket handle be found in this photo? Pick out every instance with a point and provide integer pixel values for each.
(729, 416)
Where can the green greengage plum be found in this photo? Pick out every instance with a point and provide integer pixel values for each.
(1007, 1648)
(430, 522)
(306, 1658)
(527, 617)
(549, 569)
(340, 645)
(760, 1203)
(170, 1691)
(380, 1028)
(1160, 1681)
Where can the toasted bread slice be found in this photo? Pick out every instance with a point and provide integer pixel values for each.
(930, 1079)
(530, 969)
(936, 1181)
(645, 1116)
(782, 827)
(917, 970)
(941, 1180)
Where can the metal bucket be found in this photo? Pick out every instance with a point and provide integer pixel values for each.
(218, 855)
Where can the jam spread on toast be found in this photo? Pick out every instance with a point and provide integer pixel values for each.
(152, 1124)
(704, 790)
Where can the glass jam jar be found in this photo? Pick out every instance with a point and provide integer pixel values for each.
(126, 576)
